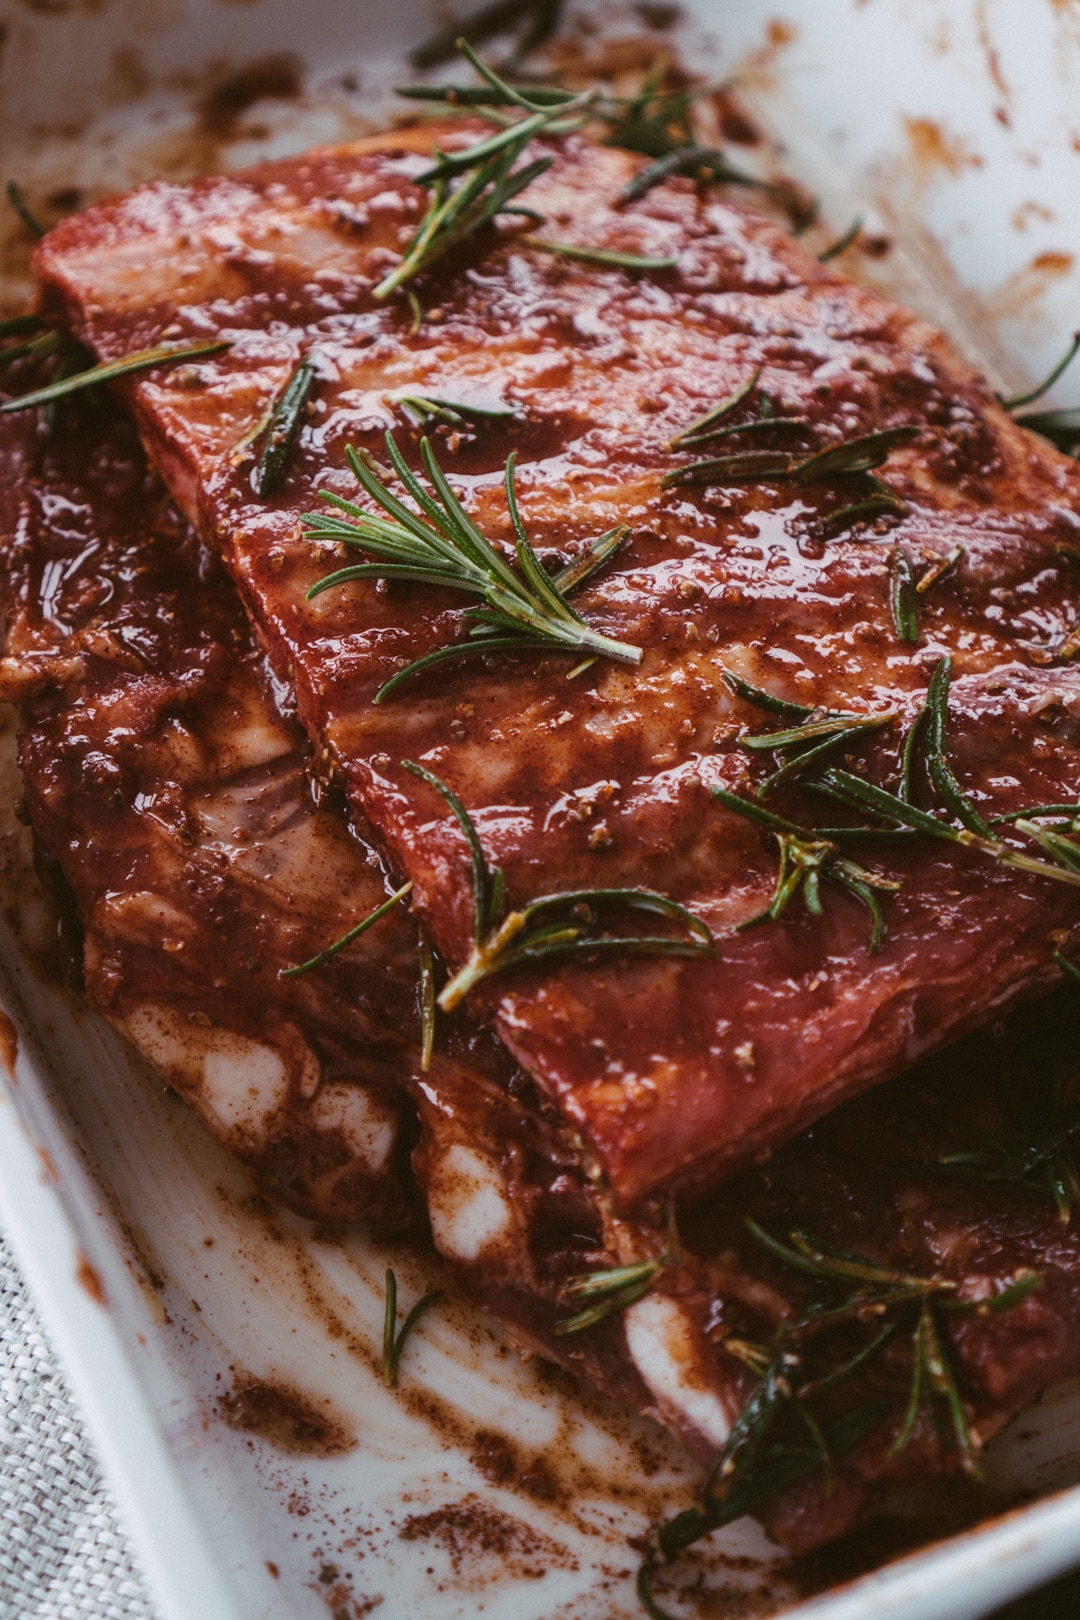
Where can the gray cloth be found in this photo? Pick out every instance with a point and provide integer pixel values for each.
(63, 1552)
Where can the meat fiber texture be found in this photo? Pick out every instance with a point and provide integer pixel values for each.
(174, 819)
(675, 1072)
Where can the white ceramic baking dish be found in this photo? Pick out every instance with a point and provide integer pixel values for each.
(949, 124)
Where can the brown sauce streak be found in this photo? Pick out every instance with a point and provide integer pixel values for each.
(271, 78)
(9, 1045)
(471, 1527)
(88, 1278)
(285, 1418)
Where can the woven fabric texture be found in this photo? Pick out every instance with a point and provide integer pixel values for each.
(63, 1552)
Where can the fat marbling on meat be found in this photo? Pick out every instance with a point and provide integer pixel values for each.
(675, 1072)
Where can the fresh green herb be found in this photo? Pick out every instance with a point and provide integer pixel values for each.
(143, 360)
(850, 1291)
(903, 596)
(604, 1292)
(881, 503)
(608, 1291)
(854, 456)
(811, 741)
(765, 700)
(393, 1341)
(541, 18)
(702, 427)
(859, 455)
(554, 927)
(1066, 815)
(1014, 402)
(1047, 1165)
(38, 348)
(1070, 969)
(427, 1006)
(773, 1468)
(422, 411)
(19, 203)
(861, 795)
(346, 939)
(440, 545)
(937, 570)
(842, 243)
(806, 860)
(603, 256)
(18, 325)
(912, 738)
(72, 359)
(937, 762)
(744, 467)
(282, 430)
(487, 181)
(698, 162)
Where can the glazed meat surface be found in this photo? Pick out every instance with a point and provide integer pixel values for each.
(902, 1178)
(675, 1072)
(171, 808)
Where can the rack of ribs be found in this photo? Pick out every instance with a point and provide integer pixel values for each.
(676, 1073)
(167, 791)
(173, 813)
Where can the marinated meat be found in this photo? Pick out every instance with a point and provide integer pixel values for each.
(676, 1072)
(902, 1178)
(170, 803)
(169, 797)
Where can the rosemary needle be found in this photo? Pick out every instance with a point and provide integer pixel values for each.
(347, 939)
(393, 1341)
(554, 927)
(143, 360)
(607, 257)
(19, 203)
(438, 544)
(427, 1006)
(282, 430)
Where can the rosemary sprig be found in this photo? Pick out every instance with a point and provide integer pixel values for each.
(142, 360)
(283, 427)
(697, 162)
(775, 1468)
(806, 859)
(702, 426)
(427, 1005)
(904, 596)
(610, 1291)
(1014, 401)
(422, 411)
(936, 748)
(554, 927)
(19, 325)
(346, 939)
(811, 741)
(19, 203)
(394, 1341)
(842, 243)
(440, 545)
(38, 347)
(765, 700)
(604, 1292)
(487, 181)
(853, 456)
(1047, 1165)
(608, 258)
